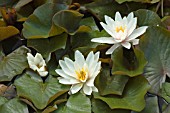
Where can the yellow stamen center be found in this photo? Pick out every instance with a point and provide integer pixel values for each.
(81, 75)
(120, 28)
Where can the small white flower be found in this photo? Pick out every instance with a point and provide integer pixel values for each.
(37, 63)
(80, 73)
(122, 31)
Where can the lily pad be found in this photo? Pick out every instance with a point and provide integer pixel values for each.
(68, 20)
(6, 32)
(128, 62)
(78, 103)
(13, 106)
(165, 93)
(13, 64)
(113, 84)
(39, 24)
(132, 98)
(155, 45)
(98, 106)
(147, 18)
(143, 1)
(46, 46)
(41, 94)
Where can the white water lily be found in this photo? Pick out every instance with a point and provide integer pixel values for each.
(80, 73)
(37, 63)
(122, 31)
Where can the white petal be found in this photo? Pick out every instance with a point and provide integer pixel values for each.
(75, 88)
(126, 45)
(39, 59)
(79, 59)
(131, 25)
(61, 73)
(96, 56)
(135, 41)
(65, 69)
(130, 16)
(70, 64)
(30, 57)
(43, 73)
(107, 40)
(118, 17)
(110, 50)
(32, 65)
(87, 90)
(90, 58)
(67, 81)
(94, 89)
(109, 21)
(137, 32)
(108, 29)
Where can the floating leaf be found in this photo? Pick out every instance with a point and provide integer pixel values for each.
(167, 110)
(13, 106)
(113, 84)
(39, 24)
(143, 1)
(98, 106)
(129, 62)
(147, 18)
(22, 3)
(13, 64)
(151, 105)
(165, 93)
(38, 92)
(6, 32)
(155, 45)
(51, 44)
(3, 100)
(78, 103)
(132, 98)
(68, 20)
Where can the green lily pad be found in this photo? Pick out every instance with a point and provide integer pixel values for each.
(6, 32)
(68, 20)
(3, 100)
(39, 24)
(165, 93)
(143, 1)
(128, 62)
(147, 18)
(13, 64)
(13, 106)
(46, 46)
(89, 22)
(151, 105)
(98, 106)
(155, 45)
(41, 94)
(167, 110)
(113, 84)
(78, 103)
(132, 98)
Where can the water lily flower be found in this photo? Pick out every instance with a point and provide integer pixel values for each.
(122, 31)
(37, 63)
(80, 73)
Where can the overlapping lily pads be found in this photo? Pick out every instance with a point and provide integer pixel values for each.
(132, 98)
(13, 64)
(38, 92)
(155, 44)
